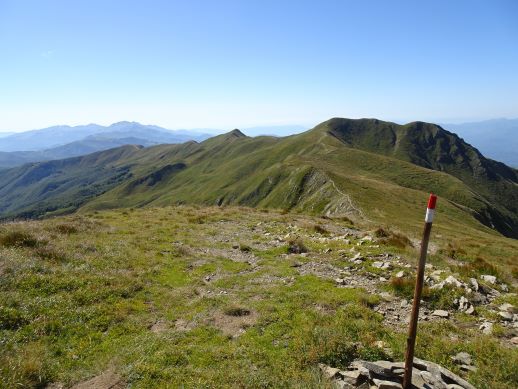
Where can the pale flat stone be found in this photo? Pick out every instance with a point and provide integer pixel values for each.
(441, 313)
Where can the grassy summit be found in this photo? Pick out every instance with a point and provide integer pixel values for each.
(212, 297)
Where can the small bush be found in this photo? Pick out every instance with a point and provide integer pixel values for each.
(182, 251)
(237, 311)
(394, 239)
(405, 287)
(11, 318)
(320, 229)
(245, 248)
(50, 253)
(478, 266)
(66, 228)
(381, 233)
(296, 246)
(453, 251)
(18, 239)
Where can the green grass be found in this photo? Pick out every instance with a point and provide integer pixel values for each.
(85, 298)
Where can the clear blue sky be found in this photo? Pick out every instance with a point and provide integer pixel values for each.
(225, 64)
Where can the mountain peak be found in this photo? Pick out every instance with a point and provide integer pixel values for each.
(237, 133)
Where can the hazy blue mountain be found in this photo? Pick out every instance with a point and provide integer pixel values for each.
(496, 138)
(4, 134)
(51, 137)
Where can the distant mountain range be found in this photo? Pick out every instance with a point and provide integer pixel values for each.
(64, 141)
(364, 169)
(496, 139)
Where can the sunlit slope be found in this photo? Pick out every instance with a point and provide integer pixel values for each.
(368, 170)
(313, 172)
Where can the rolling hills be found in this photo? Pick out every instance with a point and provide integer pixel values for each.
(61, 142)
(367, 170)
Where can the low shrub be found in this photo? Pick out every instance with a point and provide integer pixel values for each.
(320, 229)
(237, 311)
(477, 266)
(394, 239)
(18, 239)
(50, 253)
(66, 228)
(296, 246)
(245, 248)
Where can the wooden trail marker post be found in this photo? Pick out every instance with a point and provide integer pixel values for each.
(412, 331)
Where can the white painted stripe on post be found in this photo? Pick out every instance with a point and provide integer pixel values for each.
(429, 215)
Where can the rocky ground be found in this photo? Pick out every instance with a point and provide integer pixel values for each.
(188, 296)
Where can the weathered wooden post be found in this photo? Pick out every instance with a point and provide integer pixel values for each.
(412, 331)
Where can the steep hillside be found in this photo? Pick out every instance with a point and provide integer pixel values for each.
(367, 170)
(496, 139)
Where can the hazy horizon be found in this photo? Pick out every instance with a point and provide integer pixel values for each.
(245, 65)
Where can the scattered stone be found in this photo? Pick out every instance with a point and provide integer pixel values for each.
(464, 305)
(340, 281)
(507, 308)
(387, 296)
(450, 280)
(328, 371)
(506, 316)
(389, 375)
(486, 328)
(400, 274)
(474, 284)
(514, 340)
(441, 313)
(488, 278)
(462, 358)
(352, 377)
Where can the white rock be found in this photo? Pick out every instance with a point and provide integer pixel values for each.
(400, 274)
(450, 280)
(488, 278)
(486, 328)
(328, 371)
(441, 313)
(507, 308)
(474, 284)
(506, 316)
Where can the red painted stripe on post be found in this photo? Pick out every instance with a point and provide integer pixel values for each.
(432, 201)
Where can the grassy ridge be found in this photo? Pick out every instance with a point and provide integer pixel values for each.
(341, 167)
(203, 297)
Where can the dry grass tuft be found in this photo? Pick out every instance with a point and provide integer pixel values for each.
(18, 239)
(296, 246)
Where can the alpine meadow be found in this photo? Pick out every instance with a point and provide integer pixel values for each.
(242, 194)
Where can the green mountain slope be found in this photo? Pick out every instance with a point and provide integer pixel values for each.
(365, 169)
